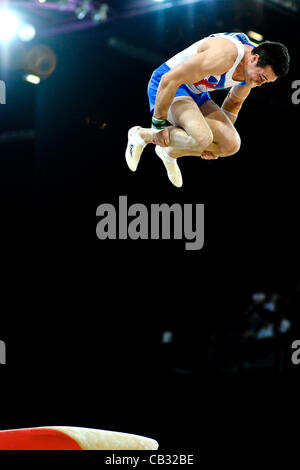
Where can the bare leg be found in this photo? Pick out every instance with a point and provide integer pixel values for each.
(190, 134)
(226, 139)
(198, 130)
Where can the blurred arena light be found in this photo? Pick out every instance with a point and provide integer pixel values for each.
(82, 9)
(41, 61)
(255, 36)
(101, 13)
(292, 5)
(26, 32)
(32, 78)
(9, 24)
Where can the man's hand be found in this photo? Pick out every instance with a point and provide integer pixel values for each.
(207, 155)
(161, 138)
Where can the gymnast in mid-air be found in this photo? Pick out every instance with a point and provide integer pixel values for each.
(179, 94)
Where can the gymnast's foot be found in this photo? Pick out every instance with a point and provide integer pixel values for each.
(173, 170)
(135, 147)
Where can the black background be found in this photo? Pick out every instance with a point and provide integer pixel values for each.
(82, 318)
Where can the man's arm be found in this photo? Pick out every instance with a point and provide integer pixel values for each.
(234, 100)
(216, 56)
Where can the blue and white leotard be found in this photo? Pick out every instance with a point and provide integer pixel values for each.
(200, 91)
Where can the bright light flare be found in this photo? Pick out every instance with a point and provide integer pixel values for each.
(9, 24)
(32, 79)
(26, 32)
(255, 36)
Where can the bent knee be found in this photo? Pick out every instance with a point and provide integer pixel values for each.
(231, 145)
(203, 140)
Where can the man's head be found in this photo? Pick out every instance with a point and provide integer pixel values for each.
(267, 62)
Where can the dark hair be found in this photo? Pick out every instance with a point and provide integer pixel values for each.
(274, 54)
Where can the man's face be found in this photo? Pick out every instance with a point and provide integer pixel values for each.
(257, 76)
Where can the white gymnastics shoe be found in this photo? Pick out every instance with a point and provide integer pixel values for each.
(173, 170)
(134, 149)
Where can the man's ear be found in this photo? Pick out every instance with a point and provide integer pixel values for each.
(254, 58)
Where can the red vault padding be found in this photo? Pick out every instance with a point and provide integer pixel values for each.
(36, 439)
